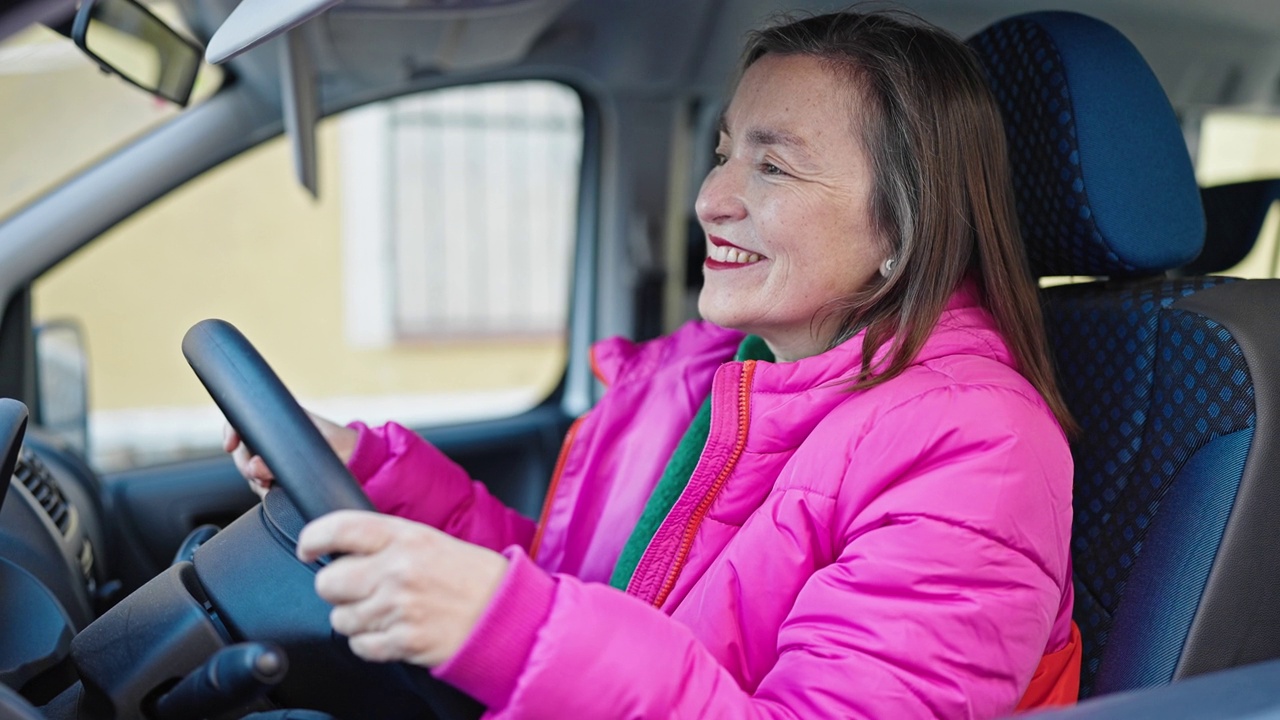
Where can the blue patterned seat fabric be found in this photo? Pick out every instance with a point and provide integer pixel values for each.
(1164, 394)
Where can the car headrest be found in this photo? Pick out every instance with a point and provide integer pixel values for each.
(1233, 216)
(1101, 173)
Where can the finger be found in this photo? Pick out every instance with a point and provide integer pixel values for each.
(350, 579)
(259, 487)
(230, 438)
(257, 469)
(252, 467)
(241, 455)
(372, 614)
(382, 646)
(347, 531)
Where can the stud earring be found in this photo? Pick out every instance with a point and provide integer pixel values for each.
(886, 267)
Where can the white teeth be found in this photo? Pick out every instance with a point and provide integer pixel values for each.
(732, 255)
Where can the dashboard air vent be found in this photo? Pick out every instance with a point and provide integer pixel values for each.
(32, 473)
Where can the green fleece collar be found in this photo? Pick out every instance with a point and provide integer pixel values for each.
(676, 476)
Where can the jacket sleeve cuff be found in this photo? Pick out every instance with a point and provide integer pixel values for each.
(370, 452)
(490, 662)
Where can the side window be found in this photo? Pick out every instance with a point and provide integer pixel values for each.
(1240, 147)
(428, 284)
(476, 213)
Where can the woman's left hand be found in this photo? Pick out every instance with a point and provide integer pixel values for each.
(401, 590)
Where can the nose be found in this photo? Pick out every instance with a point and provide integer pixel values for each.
(720, 198)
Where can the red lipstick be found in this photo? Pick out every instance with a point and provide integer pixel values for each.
(724, 255)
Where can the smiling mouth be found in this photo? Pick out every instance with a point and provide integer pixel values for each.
(732, 255)
(723, 254)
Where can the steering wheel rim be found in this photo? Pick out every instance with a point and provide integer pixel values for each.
(270, 421)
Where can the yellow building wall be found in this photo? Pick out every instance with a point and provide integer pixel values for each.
(245, 243)
(1238, 146)
(71, 113)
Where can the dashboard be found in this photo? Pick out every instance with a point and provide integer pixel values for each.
(53, 582)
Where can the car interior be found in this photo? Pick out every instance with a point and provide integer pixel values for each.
(126, 586)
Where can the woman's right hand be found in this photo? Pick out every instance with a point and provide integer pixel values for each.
(254, 469)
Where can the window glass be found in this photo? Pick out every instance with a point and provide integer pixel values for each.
(479, 213)
(1240, 147)
(428, 284)
(53, 82)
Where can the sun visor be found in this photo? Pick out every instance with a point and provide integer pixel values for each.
(254, 22)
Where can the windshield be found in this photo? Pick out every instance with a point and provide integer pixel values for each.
(71, 113)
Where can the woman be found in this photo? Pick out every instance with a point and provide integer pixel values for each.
(845, 493)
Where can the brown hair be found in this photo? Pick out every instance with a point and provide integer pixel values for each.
(942, 199)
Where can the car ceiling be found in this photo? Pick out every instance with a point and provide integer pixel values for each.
(1205, 52)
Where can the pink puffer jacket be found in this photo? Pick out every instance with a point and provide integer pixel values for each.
(898, 552)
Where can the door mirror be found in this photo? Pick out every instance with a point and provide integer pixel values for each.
(126, 39)
(62, 383)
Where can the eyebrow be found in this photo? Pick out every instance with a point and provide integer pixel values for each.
(770, 136)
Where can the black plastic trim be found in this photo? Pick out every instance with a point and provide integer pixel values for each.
(37, 633)
(17, 350)
(153, 637)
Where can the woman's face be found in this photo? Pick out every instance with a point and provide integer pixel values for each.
(786, 210)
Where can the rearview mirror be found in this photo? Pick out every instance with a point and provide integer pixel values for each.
(126, 39)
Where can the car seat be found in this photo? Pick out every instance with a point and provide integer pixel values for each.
(1173, 380)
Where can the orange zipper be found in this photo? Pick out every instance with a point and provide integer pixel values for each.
(700, 512)
(551, 490)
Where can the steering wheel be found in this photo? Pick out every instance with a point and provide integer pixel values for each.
(275, 598)
(270, 421)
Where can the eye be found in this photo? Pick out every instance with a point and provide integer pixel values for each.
(719, 158)
(771, 169)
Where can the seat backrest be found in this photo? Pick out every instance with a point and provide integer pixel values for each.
(1176, 542)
